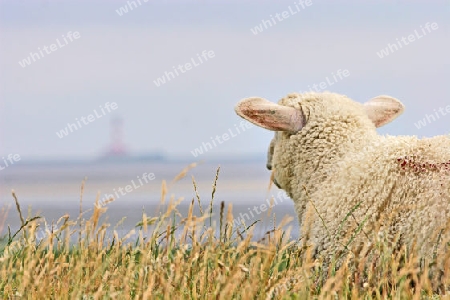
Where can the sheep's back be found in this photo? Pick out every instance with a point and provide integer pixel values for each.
(398, 188)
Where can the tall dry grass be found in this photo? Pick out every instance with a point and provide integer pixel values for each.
(169, 256)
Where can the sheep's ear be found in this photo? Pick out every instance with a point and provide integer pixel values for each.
(271, 116)
(383, 109)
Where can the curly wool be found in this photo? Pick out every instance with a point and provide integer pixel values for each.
(397, 187)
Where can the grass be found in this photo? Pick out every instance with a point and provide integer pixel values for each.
(181, 257)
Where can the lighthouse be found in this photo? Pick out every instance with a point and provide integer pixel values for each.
(117, 146)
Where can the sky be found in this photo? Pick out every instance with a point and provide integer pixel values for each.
(102, 55)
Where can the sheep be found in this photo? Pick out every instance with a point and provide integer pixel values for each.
(328, 157)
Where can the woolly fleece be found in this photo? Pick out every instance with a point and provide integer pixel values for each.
(397, 187)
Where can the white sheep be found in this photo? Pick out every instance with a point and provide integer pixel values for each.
(328, 157)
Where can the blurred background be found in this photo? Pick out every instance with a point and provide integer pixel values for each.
(110, 90)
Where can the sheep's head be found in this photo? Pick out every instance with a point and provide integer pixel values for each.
(296, 111)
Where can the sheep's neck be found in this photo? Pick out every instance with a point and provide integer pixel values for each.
(326, 157)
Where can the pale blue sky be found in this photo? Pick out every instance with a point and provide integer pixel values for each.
(117, 58)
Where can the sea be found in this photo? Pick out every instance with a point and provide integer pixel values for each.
(52, 189)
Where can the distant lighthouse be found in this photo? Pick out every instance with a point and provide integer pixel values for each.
(117, 150)
(117, 146)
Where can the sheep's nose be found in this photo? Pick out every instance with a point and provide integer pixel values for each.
(269, 166)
